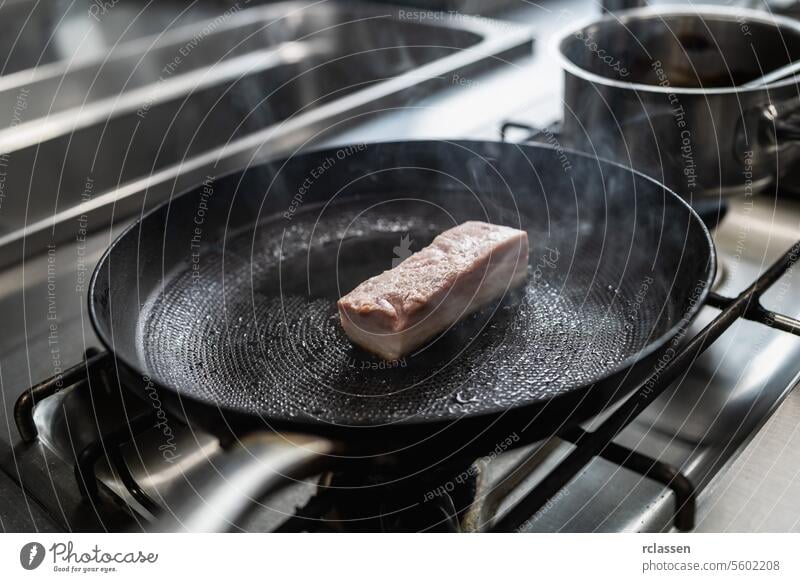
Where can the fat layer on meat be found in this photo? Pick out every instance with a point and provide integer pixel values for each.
(462, 270)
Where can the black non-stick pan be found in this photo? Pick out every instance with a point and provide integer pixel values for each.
(223, 300)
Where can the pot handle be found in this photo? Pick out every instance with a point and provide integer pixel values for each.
(780, 124)
(787, 130)
(217, 493)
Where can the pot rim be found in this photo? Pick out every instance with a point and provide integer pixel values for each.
(723, 13)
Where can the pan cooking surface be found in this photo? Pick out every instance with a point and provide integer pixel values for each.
(256, 328)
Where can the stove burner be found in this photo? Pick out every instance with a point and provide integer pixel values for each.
(436, 501)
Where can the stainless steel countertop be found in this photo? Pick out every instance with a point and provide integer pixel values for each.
(760, 490)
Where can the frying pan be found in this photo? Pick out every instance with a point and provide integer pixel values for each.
(222, 300)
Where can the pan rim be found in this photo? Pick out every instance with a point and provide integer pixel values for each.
(318, 427)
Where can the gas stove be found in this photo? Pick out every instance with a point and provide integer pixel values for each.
(80, 455)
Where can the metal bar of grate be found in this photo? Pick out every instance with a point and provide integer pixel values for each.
(23, 408)
(88, 457)
(667, 475)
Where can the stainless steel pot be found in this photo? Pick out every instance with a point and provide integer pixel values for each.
(657, 88)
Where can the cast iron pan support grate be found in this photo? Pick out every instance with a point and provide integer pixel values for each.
(110, 444)
(78, 374)
(663, 473)
(599, 442)
(94, 369)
